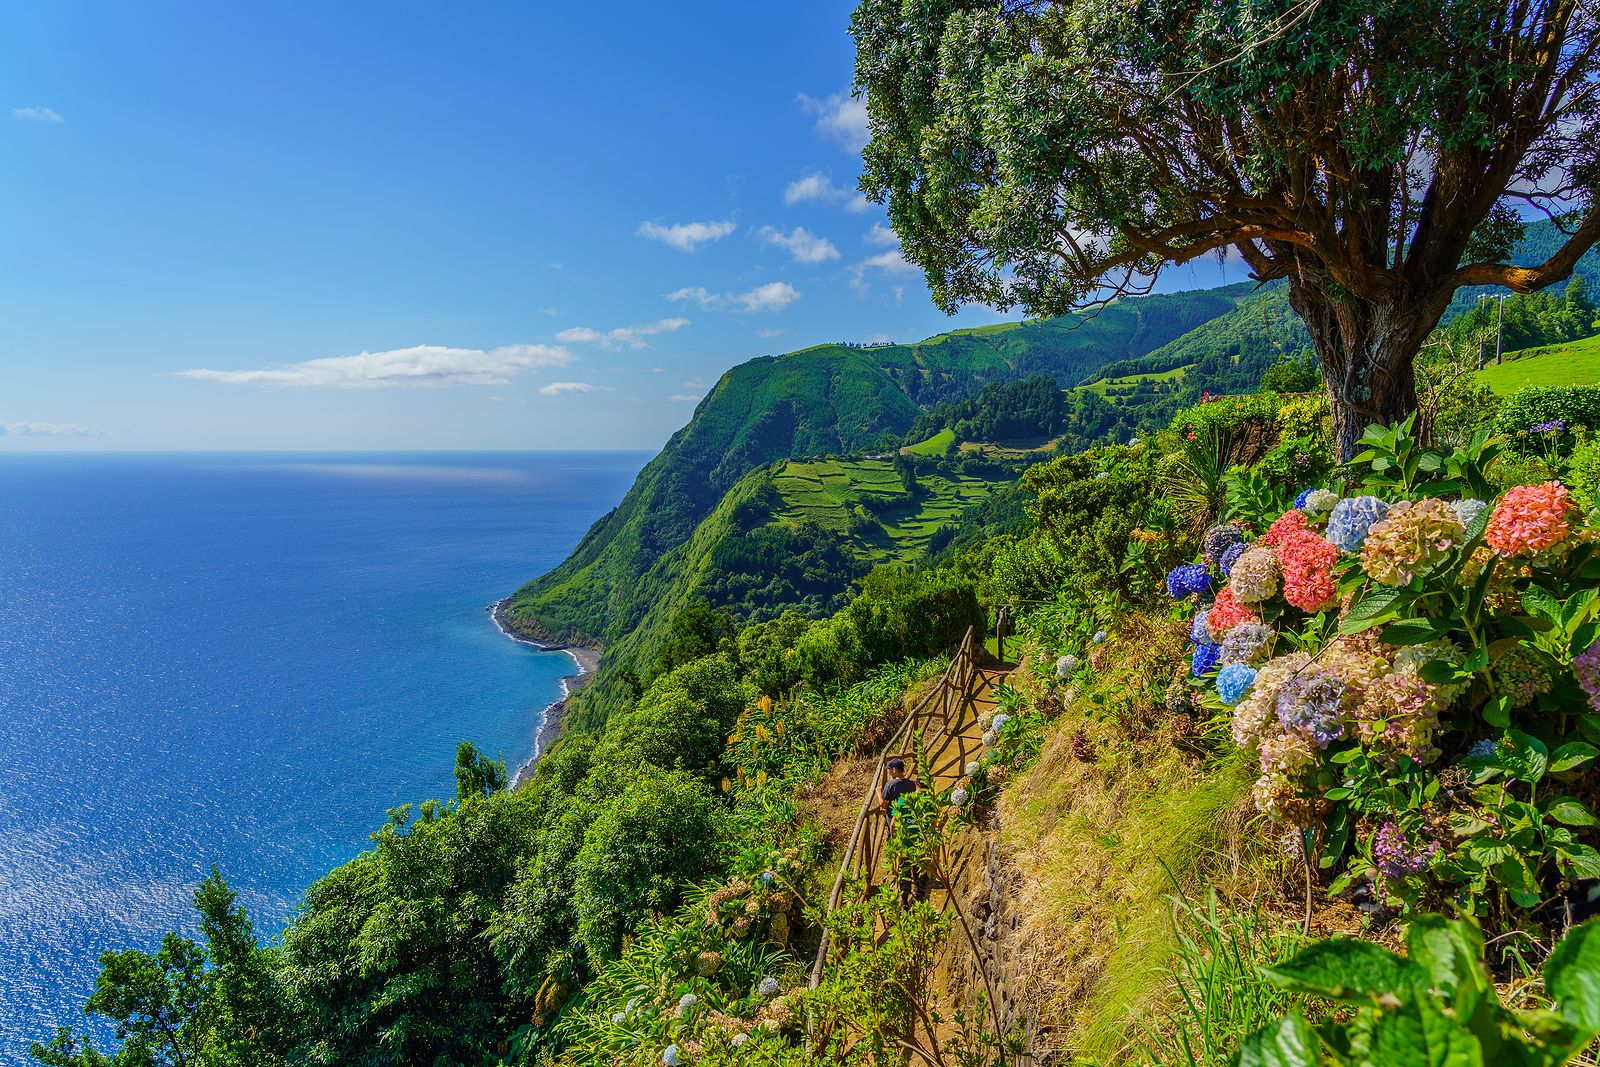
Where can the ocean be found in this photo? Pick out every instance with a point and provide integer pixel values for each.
(245, 660)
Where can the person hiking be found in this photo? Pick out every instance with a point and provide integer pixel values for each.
(893, 801)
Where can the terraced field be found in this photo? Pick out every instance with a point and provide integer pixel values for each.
(831, 493)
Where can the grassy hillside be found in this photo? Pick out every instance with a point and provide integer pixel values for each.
(1577, 363)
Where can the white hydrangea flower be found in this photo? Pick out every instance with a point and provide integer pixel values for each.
(1320, 500)
(686, 1002)
(972, 768)
(958, 796)
(670, 1056)
(1102, 476)
(739, 1040)
(619, 1018)
(768, 987)
(1133, 442)
(1065, 666)
(988, 738)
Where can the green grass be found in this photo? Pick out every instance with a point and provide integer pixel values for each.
(936, 445)
(1577, 363)
(827, 492)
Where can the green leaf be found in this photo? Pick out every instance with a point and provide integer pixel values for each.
(1289, 1042)
(1497, 712)
(1572, 754)
(1572, 976)
(1527, 759)
(1413, 631)
(1419, 1034)
(1439, 672)
(1343, 969)
(1450, 950)
(1541, 604)
(1374, 608)
(1581, 862)
(1569, 811)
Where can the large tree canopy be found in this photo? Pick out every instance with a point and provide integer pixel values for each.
(1377, 154)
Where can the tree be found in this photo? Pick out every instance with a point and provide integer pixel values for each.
(1377, 154)
(476, 774)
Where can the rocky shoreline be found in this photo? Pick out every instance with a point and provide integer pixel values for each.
(554, 717)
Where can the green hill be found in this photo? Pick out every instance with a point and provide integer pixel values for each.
(825, 400)
(1577, 363)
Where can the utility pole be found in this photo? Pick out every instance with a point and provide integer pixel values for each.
(1499, 329)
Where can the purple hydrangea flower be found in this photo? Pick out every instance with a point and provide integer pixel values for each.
(1352, 517)
(1190, 579)
(1234, 681)
(1301, 497)
(1247, 642)
(1217, 540)
(1396, 856)
(1205, 658)
(1309, 705)
(1230, 556)
(1198, 633)
(1586, 665)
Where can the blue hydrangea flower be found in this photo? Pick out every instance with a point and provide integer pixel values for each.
(1300, 499)
(1197, 627)
(1309, 705)
(1001, 721)
(670, 1056)
(768, 987)
(1482, 749)
(1205, 658)
(1230, 556)
(1352, 517)
(1234, 681)
(1099, 637)
(1189, 579)
(1218, 539)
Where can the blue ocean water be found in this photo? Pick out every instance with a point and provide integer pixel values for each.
(245, 660)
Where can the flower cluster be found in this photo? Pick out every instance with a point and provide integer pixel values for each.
(1468, 510)
(1284, 527)
(1219, 539)
(1319, 502)
(1586, 665)
(1229, 557)
(1257, 575)
(1396, 856)
(1247, 644)
(1351, 518)
(1190, 579)
(1413, 538)
(1307, 561)
(1529, 519)
(1224, 614)
(1552, 426)
(1522, 677)
(1234, 681)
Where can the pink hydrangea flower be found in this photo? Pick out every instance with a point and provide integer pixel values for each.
(1529, 519)
(1226, 613)
(1307, 561)
(1284, 527)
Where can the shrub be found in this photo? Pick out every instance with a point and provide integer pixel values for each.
(658, 835)
(1573, 405)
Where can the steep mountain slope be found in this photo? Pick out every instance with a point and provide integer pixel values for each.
(825, 399)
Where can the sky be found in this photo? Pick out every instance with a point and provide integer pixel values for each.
(410, 225)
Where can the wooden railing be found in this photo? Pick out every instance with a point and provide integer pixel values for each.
(935, 711)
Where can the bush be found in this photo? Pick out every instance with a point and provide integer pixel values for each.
(658, 835)
(1574, 405)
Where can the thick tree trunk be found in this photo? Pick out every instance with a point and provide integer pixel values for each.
(1367, 348)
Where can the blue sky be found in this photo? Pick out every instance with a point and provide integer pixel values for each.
(408, 225)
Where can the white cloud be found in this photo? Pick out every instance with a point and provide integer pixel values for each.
(768, 333)
(684, 398)
(418, 365)
(890, 264)
(773, 296)
(562, 388)
(622, 336)
(841, 117)
(46, 429)
(882, 236)
(801, 243)
(818, 186)
(47, 115)
(686, 236)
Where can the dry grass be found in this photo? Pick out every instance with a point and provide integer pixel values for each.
(1097, 849)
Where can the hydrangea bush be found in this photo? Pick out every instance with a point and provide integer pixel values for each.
(1415, 664)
